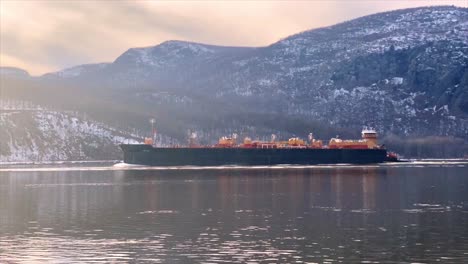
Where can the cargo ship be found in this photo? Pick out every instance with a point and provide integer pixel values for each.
(227, 151)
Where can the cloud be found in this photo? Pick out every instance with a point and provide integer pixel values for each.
(51, 35)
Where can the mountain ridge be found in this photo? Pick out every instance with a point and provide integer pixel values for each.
(403, 72)
(314, 30)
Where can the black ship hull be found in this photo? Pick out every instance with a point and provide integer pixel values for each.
(148, 155)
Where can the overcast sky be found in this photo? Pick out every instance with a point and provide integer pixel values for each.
(42, 36)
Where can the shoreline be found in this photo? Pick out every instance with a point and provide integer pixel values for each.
(116, 165)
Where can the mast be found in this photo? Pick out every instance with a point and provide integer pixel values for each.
(153, 130)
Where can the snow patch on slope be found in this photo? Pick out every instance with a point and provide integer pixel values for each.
(34, 134)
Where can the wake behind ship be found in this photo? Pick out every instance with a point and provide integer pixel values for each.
(227, 152)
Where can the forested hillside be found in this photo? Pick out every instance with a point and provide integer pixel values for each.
(402, 72)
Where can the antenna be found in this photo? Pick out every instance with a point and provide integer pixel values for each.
(153, 130)
(152, 121)
(192, 136)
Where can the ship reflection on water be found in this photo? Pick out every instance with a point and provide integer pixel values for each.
(331, 214)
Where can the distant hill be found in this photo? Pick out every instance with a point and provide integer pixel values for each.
(32, 133)
(403, 72)
(13, 72)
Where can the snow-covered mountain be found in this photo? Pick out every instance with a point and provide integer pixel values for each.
(161, 65)
(76, 71)
(403, 72)
(387, 70)
(168, 53)
(31, 133)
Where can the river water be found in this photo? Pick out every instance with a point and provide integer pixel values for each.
(412, 212)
